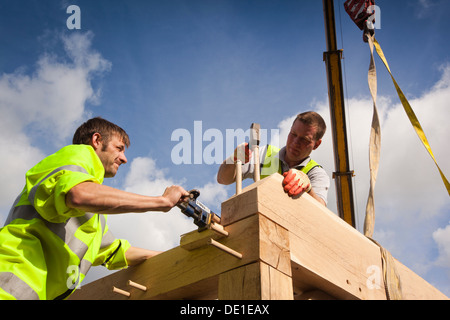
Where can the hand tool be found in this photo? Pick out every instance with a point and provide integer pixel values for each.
(202, 215)
(254, 146)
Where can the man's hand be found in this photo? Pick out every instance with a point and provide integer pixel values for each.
(296, 182)
(227, 171)
(175, 195)
(243, 153)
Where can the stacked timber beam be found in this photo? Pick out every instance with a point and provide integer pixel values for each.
(288, 249)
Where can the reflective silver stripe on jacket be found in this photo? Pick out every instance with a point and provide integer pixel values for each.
(107, 240)
(33, 190)
(11, 211)
(64, 230)
(16, 287)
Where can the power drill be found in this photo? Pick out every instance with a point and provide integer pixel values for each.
(201, 214)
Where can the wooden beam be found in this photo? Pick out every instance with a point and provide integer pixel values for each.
(166, 275)
(326, 253)
(194, 239)
(290, 248)
(256, 281)
(268, 279)
(180, 272)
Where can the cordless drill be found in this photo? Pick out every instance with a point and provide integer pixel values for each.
(196, 210)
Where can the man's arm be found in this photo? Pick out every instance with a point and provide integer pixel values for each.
(97, 198)
(136, 255)
(315, 196)
(227, 170)
(227, 173)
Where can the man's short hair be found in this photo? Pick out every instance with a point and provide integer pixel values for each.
(313, 119)
(106, 129)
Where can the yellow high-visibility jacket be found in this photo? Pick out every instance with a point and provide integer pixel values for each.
(272, 164)
(46, 248)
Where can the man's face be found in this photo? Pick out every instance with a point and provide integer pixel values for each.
(112, 156)
(300, 142)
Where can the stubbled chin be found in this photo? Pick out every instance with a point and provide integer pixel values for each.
(111, 173)
(293, 152)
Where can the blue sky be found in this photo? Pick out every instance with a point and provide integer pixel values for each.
(155, 67)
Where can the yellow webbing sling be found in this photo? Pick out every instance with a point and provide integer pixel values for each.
(391, 277)
(412, 117)
(374, 152)
(392, 282)
(374, 146)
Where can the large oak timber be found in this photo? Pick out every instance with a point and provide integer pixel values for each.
(195, 270)
(180, 273)
(291, 248)
(327, 254)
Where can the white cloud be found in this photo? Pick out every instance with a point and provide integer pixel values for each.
(425, 3)
(151, 230)
(442, 238)
(157, 230)
(212, 193)
(425, 9)
(52, 99)
(46, 104)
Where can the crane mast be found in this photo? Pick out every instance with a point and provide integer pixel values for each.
(342, 175)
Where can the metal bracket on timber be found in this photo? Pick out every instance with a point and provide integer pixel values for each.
(291, 249)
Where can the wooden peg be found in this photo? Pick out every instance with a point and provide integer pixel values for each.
(220, 246)
(215, 219)
(238, 176)
(219, 229)
(122, 292)
(137, 285)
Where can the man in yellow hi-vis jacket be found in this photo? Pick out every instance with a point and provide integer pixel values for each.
(56, 229)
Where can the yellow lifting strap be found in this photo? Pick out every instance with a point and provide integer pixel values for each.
(392, 282)
(374, 146)
(391, 277)
(412, 117)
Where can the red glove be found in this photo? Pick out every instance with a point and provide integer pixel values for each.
(296, 182)
(243, 153)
